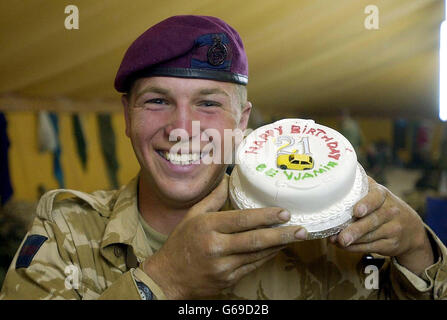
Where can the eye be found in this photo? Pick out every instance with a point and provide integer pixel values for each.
(155, 104)
(157, 101)
(208, 103)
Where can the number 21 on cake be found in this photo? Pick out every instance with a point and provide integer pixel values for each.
(293, 154)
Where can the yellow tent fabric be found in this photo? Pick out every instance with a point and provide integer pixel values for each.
(31, 169)
(306, 56)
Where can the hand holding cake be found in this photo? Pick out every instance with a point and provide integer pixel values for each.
(387, 226)
(219, 247)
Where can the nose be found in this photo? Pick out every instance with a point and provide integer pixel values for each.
(181, 124)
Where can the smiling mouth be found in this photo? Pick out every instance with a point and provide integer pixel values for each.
(181, 159)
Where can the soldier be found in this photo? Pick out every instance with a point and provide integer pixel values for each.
(168, 234)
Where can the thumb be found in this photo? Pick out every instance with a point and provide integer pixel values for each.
(214, 201)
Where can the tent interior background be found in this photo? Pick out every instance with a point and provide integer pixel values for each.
(307, 59)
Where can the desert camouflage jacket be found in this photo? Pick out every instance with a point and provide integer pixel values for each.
(90, 246)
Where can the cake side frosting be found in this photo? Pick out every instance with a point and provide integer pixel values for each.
(318, 224)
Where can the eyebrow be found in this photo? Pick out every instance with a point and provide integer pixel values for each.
(154, 90)
(204, 92)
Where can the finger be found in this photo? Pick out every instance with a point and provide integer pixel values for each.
(247, 268)
(333, 238)
(214, 201)
(387, 230)
(255, 240)
(243, 220)
(238, 260)
(363, 226)
(372, 201)
(381, 246)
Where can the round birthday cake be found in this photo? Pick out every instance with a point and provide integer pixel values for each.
(309, 169)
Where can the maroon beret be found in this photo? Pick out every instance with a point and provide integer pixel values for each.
(187, 47)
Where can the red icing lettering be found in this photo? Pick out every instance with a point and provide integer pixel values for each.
(279, 130)
(334, 156)
(326, 138)
(311, 131)
(295, 129)
(333, 146)
(265, 135)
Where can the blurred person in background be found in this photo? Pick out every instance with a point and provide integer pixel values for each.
(378, 156)
(350, 129)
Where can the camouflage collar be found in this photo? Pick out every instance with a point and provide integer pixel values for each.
(123, 227)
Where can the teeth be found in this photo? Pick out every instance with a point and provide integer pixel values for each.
(181, 159)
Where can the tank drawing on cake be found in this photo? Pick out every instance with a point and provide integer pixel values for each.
(293, 154)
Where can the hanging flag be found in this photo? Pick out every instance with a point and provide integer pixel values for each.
(108, 147)
(47, 139)
(81, 144)
(6, 190)
(57, 167)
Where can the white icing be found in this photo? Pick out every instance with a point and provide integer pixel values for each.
(318, 200)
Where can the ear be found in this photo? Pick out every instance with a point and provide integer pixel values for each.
(245, 115)
(125, 101)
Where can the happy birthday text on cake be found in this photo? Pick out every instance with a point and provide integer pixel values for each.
(331, 143)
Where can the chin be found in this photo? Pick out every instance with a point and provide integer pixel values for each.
(183, 189)
(188, 192)
(184, 197)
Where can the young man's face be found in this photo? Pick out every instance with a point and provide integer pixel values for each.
(161, 106)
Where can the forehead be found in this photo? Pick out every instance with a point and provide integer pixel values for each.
(184, 86)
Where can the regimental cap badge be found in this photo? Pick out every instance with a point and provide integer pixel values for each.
(218, 52)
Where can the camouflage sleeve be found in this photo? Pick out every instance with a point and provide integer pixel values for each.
(46, 268)
(433, 282)
(115, 292)
(156, 290)
(43, 276)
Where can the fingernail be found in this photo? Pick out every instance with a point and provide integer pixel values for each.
(284, 215)
(361, 210)
(301, 234)
(347, 239)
